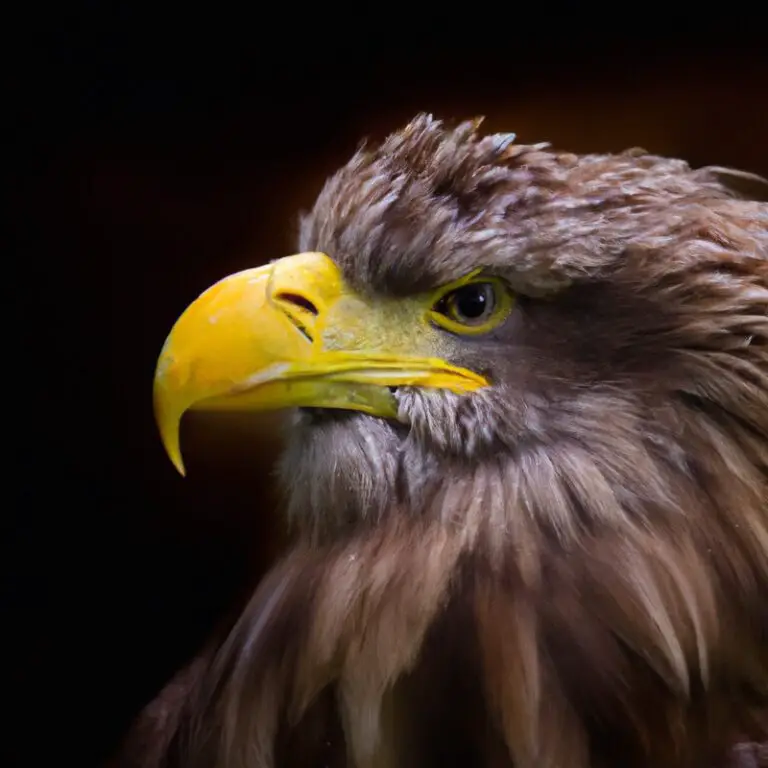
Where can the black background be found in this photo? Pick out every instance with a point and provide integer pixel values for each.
(156, 149)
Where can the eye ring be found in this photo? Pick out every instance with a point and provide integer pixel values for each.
(474, 306)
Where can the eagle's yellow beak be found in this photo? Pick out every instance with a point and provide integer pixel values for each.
(292, 334)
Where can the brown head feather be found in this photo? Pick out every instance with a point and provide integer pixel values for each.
(568, 568)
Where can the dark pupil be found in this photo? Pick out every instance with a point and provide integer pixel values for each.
(471, 302)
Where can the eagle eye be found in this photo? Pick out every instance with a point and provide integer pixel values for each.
(469, 304)
(473, 307)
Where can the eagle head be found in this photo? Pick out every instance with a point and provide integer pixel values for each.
(528, 387)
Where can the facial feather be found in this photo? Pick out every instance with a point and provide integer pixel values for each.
(617, 469)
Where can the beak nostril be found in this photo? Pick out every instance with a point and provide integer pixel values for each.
(289, 303)
(297, 300)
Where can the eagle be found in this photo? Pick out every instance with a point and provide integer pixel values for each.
(525, 467)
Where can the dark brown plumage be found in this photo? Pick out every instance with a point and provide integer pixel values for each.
(568, 568)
